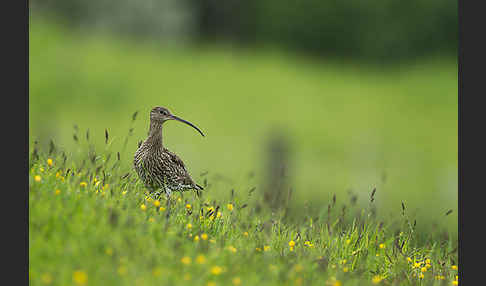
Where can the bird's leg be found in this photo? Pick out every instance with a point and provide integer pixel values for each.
(157, 194)
(167, 194)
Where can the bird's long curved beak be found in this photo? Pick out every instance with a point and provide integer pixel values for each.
(186, 122)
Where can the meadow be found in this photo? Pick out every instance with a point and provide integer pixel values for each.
(351, 129)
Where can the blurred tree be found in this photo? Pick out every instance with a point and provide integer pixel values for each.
(156, 19)
(381, 30)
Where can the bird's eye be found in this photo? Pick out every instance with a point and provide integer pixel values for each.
(161, 112)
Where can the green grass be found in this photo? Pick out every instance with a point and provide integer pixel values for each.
(91, 219)
(349, 126)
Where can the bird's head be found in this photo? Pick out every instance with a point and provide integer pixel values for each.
(161, 114)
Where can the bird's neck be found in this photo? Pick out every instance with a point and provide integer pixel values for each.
(155, 134)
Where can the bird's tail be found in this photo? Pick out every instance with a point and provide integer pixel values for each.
(198, 187)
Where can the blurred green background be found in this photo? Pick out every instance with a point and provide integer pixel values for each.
(365, 93)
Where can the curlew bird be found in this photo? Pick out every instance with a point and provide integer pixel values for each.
(156, 166)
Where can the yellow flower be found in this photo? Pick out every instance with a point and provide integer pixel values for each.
(454, 267)
(409, 259)
(417, 264)
(156, 272)
(258, 249)
(343, 261)
(196, 238)
(236, 281)
(189, 226)
(439, 277)
(124, 192)
(308, 244)
(218, 215)
(376, 279)
(83, 184)
(41, 169)
(291, 243)
(58, 192)
(188, 206)
(266, 248)
(37, 178)
(421, 276)
(245, 233)
(232, 249)
(428, 266)
(382, 245)
(345, 269)
(46, 278)
(186, 260)
(80, 277)
(230, 207)
(143, 207)
(49, 162)
(179, 200)
(204, 236)
(423, 269)
(109, 251)
(122, 270)
(427, 261)
(58, 174)
(161, 209)
(337, 283)
(348, 241)
(291, 248)
(200, 259)
(216, 270)
(156, 203)
(455, 282)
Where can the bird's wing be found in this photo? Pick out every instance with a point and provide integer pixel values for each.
(182, 176)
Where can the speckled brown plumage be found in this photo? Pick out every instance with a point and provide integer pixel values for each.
(158, 168)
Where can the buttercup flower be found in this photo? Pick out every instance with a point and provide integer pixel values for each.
(216, 270)
(80, 277)
(186, 260)
(236, 281)
(200, 259)
(376, 279)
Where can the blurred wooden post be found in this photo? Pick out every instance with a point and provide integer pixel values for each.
(276, 175)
